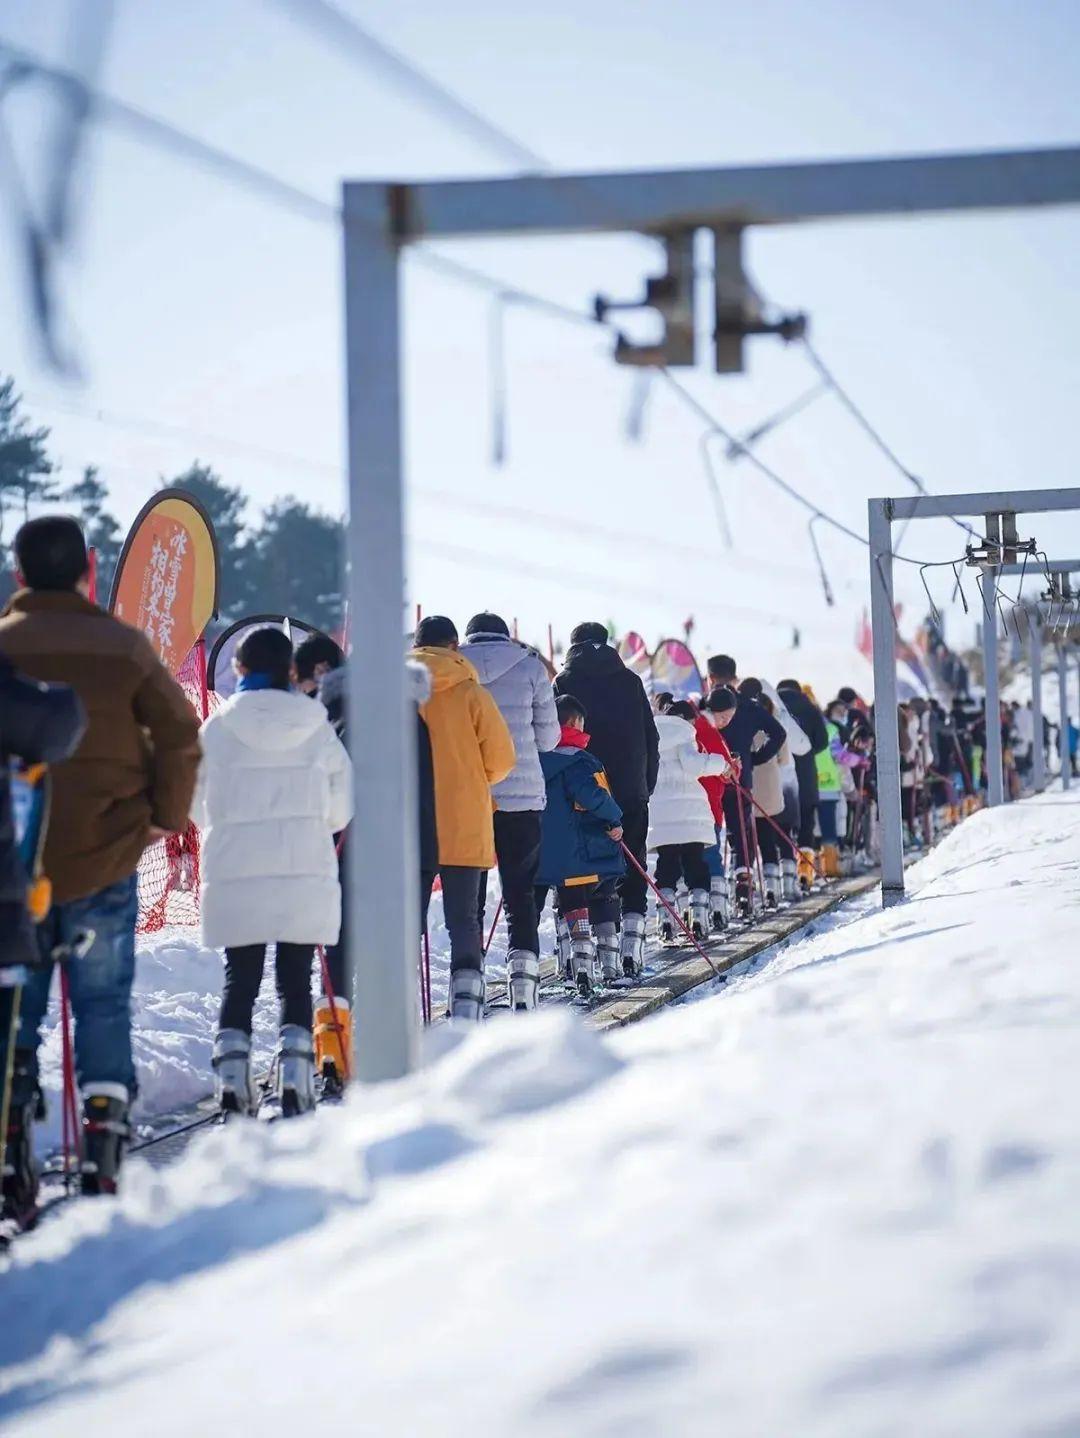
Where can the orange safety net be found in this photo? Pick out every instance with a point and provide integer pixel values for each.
(169, 870)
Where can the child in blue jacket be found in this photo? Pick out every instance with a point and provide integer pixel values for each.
(580, 853)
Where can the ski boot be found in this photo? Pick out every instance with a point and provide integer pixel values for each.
(20, 1178)
(718, 901)
(564, 948)
(523, 980)
(789, 882)
(105, 1134)
(665, 919)
(583, 952)
(607, 948)
(771, 875)
(830, 861)
(632, 945)
(744, 895)
(806, 870)
(295, 1070)
(232, 1064)
(333, 1044)
(700, 914)
(467, 996)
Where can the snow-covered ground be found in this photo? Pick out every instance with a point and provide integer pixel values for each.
(838, 1198)
(175, 1003)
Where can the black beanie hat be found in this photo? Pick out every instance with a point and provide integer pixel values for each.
(720, 700)
(435, 630)
(589, 633)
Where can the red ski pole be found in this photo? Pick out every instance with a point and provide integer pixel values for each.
(769, 820)
(670, 908)
(69, 1101)
(494, 925)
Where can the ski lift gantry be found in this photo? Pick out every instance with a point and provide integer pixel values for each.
(1000, 545)
(1059, 572)
(380, 220)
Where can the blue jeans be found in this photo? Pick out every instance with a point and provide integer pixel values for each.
(714, 855)
(100, 985)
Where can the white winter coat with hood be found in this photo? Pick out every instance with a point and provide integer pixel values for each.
(679, 811)
(274, 787)
(516, 678)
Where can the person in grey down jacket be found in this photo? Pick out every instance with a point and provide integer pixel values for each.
(516, 678)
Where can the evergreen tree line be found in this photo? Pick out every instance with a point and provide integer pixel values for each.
(287, 561)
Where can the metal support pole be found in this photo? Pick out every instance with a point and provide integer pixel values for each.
(1063, 717)
(887, 740)
(995, 777)
(1038, 753)
(381, 849)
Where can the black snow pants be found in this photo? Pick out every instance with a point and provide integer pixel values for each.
(243, 975)
(517, 851)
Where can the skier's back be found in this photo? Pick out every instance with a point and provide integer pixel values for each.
(624, 739)
(516, 678)
(274, 789)
(128, 783)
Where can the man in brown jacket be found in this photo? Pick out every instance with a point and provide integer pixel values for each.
(128, 783)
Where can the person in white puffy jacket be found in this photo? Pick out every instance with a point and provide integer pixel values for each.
(274, 787)
(680, 818)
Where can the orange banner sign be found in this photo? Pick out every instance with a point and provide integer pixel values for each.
(167, 576)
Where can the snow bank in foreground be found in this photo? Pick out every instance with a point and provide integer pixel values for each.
(838, 1199)
(174, 1012)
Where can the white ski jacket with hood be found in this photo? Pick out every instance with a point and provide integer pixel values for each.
(515, 677)
(275, 785)
(679, 810)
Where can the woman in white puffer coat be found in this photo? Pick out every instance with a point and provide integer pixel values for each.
(274, 787)
(681, 823)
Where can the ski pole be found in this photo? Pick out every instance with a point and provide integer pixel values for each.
(69, 1102)
(788, 840)
(15, 990)
(494, 925)
(644, 873)
(335, 1022)
(747, 861)
(425, 980)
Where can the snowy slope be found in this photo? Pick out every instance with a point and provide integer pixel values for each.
(839, 1198)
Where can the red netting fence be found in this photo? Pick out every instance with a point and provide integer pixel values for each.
(169, 870)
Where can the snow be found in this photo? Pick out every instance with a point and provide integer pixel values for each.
(174, 1011)
(836, 1198)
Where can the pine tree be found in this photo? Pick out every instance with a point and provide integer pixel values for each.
(226, 505)
(24, 464)
(102, 531)
(299, 564)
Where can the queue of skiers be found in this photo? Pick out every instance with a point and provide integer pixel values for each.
(566, 787)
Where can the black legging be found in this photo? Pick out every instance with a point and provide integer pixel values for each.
(687, 861)
(733, 800)
(243, 975)
(768, 841)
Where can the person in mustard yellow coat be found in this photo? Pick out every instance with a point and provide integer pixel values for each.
(471, 749)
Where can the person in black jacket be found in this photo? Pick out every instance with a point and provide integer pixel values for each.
(742, 720)
(624, 739)
(812, 722)
(39, 724)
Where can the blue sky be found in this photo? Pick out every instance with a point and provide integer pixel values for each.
(201, 309)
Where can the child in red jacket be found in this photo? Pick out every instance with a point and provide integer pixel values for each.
(711, 741)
